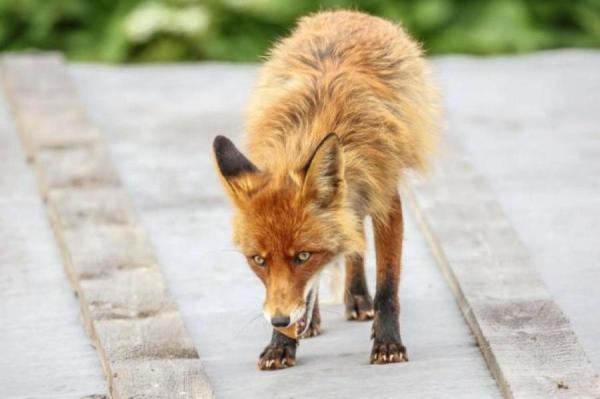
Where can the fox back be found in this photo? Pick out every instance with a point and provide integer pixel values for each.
(358, 76)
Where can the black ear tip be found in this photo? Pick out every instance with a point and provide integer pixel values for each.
(220, 143)
(230, 160)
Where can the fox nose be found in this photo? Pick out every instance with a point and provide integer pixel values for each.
(280, 321)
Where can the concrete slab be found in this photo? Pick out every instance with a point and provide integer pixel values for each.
(526, 339)
(45, 352)
(160, 122)
(139, 334)
(530, 125)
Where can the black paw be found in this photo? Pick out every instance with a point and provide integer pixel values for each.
(359, 307)
(388, 352)
(313, 330)
(276, 357)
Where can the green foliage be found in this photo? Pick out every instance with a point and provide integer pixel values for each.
(242, 30)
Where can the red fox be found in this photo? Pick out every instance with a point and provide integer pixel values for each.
(342, 108)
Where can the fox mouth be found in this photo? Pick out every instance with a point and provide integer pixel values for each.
(309, 304)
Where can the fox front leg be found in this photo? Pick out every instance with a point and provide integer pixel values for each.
(279, 354)
(387, 345)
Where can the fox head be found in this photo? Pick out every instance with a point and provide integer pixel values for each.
(289, 224)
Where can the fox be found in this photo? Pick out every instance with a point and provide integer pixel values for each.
(342, 109)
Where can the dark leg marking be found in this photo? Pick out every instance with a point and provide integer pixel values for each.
(359, 305)
(279, 354)
(387, 344)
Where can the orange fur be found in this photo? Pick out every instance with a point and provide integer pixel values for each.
(361, 78)
(356, 75)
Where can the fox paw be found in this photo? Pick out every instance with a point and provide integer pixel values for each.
(359, 307)
(312, 331)
(388, 352)
(277, 357)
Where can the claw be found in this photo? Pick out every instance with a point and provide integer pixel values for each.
(359, 307)
(313, 330)
(276, 357)
(388, 353)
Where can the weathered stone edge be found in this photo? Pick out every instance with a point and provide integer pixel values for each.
(70, 159)
(524, 337)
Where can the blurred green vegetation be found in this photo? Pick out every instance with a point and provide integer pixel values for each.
(241, 30)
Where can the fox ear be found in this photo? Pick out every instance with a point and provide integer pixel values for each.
(324, 172)
(238, 174)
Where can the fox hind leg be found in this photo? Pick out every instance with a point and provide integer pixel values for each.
(387, 344)
(314, 328)
(358, 301)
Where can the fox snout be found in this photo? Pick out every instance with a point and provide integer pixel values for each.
(291, 325)
(280, 321)
(295, 322)
(283, 318)
(286, 320)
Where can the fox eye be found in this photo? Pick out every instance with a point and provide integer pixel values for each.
(259, 260)
(302, 257)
